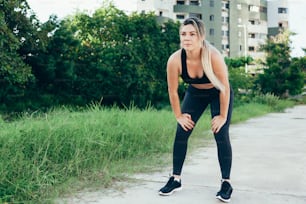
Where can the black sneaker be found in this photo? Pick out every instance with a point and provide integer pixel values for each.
(171, 186)
(225, 192)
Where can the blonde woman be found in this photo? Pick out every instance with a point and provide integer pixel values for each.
(201, 66)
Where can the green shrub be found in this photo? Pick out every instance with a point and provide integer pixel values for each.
(273, 101)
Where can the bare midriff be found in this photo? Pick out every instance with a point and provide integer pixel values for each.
(203, 86)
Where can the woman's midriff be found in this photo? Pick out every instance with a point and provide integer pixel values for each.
(203, 86)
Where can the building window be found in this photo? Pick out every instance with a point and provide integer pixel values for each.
(263, 9)
(225, 19)
(211, 31)
(160, 13)
(180, 16)
(211, 3)
(197, 15)
(225, 46)
(251, 48)
(282, 10)
(180, 2)
(194, 2)
(253, 8)
(211, 17)
(251, 35)
(280, 25)
(225, 33)
(225, 5)
(239, 6)
(252, 22)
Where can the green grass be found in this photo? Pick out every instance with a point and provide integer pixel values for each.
(66, 150)
(44, 151)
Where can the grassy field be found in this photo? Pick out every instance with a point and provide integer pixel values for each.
(46, 154)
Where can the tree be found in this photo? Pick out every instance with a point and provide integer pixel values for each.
(122, 58)
(23, 39)
(281, 77)
(14, 72)
(108, 55)
(54, 67)
(297, 75)
(238, 62)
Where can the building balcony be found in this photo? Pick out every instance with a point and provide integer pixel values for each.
(187, 9)
(257, 29)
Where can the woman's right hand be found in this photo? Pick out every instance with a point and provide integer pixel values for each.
(185, 121)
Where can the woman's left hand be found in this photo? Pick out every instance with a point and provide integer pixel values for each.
(217, 123)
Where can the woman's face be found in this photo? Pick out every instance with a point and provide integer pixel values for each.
(189, 37)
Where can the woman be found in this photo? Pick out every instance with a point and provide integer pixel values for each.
(203, 68)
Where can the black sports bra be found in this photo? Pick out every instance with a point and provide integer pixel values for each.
(186, 78)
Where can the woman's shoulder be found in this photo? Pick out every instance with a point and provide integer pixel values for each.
(176, 54)
(174, 61)
(214, 50)
(215, 53)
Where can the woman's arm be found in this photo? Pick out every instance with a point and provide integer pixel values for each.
(173, 72)
(173, 83)
(221, 72)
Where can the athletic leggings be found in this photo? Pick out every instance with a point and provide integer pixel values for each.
(194, 103)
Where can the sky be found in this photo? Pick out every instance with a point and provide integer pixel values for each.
(297, 21)
(62, 8)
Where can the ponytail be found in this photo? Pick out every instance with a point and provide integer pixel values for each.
(207, 66)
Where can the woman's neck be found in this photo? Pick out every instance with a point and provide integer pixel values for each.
(194, 54)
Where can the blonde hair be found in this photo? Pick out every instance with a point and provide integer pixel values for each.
(205, 52)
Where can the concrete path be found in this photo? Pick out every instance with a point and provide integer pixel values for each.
(269, 167)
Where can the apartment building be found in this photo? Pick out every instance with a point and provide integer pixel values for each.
(248, 27)
(278, 16)
(235, 27)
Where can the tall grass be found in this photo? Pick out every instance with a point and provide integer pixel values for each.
(41, 152)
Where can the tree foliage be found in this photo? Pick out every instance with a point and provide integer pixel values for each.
(238, 62)
(282, 75)
(107, 57)
(112, 57)
(22, 39)
(14, 72)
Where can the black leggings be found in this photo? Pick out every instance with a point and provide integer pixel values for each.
(194, 103)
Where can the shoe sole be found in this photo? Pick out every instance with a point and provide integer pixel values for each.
(223, 200)
(171, 192)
